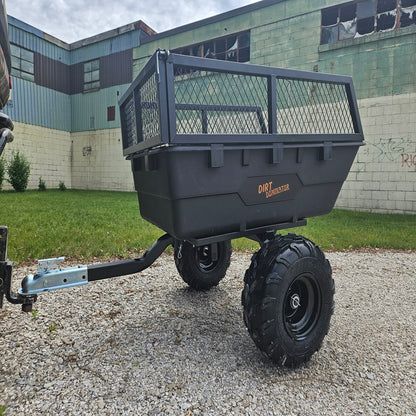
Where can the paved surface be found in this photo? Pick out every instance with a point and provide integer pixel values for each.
(150, 346)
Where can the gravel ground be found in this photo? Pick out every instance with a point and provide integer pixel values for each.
(151, 346)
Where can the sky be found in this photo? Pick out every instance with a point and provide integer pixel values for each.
(72, 20)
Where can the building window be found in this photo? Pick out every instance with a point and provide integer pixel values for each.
(361, 18)
(22, 63)
(92, 75)
(228, 48)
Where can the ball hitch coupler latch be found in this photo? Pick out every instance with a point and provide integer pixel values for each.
(51, 277)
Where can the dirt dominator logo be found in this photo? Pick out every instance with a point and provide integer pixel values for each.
(268, 190)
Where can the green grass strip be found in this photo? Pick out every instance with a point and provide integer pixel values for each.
(87, 224)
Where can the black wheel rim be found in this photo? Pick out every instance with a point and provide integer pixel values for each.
(302, 306)
(203, 256)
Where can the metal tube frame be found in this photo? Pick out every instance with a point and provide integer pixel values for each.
(162, 64)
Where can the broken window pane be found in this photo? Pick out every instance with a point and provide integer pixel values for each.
(408, 3)
(347, 30)
(244, 55)
(366, 9)
(197, 50)
(209, 50)
(386, 21)
(329, 35)
(232, 44)
(330, 16)
(232, 48)
(408, 16)
(365, 26)
(386, 5)
(347, 13)
(220, 45)
(244, 40)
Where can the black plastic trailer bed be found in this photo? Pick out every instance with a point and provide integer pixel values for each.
(221, 150)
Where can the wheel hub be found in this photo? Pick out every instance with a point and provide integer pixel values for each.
(303, 303)
(295, 301)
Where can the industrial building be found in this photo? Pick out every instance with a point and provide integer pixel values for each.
(64, 97)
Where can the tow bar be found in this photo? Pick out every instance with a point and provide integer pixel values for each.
(50, 276)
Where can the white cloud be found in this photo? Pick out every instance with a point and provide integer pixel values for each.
(77, 19)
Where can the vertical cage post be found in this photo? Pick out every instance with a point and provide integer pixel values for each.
(272, 105)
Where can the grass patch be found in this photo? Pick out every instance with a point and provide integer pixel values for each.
(75, 224)
(347, 230)
(88, 224)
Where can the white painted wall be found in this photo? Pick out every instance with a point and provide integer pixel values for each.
(48, 152)
(383, 176)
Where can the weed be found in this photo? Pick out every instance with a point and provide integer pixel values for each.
(52, 328)
(42, 185)
(35, 314)
(62, 186)
(2, 171)
(2, 410)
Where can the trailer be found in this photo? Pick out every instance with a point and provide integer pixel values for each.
(221, 150)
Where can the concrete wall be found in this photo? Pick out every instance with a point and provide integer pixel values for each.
(84, 160)
(48, 152)
(383, 176)
(98, 162)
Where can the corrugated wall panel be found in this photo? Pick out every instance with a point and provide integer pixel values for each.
(33, 104)
(106, 47)
(37, 44)
(89, 110)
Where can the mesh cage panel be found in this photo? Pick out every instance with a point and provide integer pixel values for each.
(128, 120)
(219, 103)
(149, 109)
(312, 107)
(140, 114)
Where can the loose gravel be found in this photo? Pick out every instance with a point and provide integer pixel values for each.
(148, 345)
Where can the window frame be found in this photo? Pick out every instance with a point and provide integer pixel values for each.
(91, 75)
(225, 48)
(28, 75)
(380, 13)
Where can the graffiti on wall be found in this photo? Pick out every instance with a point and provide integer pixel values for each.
(399, 151)
(388, 150)
(408, 159)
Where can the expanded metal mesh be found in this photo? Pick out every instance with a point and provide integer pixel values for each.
(140, 114)
(219, 103)
(149, 103)
(226, 103)
(128, 122)
(311, 107)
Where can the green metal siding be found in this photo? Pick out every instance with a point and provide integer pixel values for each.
(287, 34)
(106, 47)
(86, 107)
(33, 104)
(31, 38)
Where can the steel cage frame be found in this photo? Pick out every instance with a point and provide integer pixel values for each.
(162, 64)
